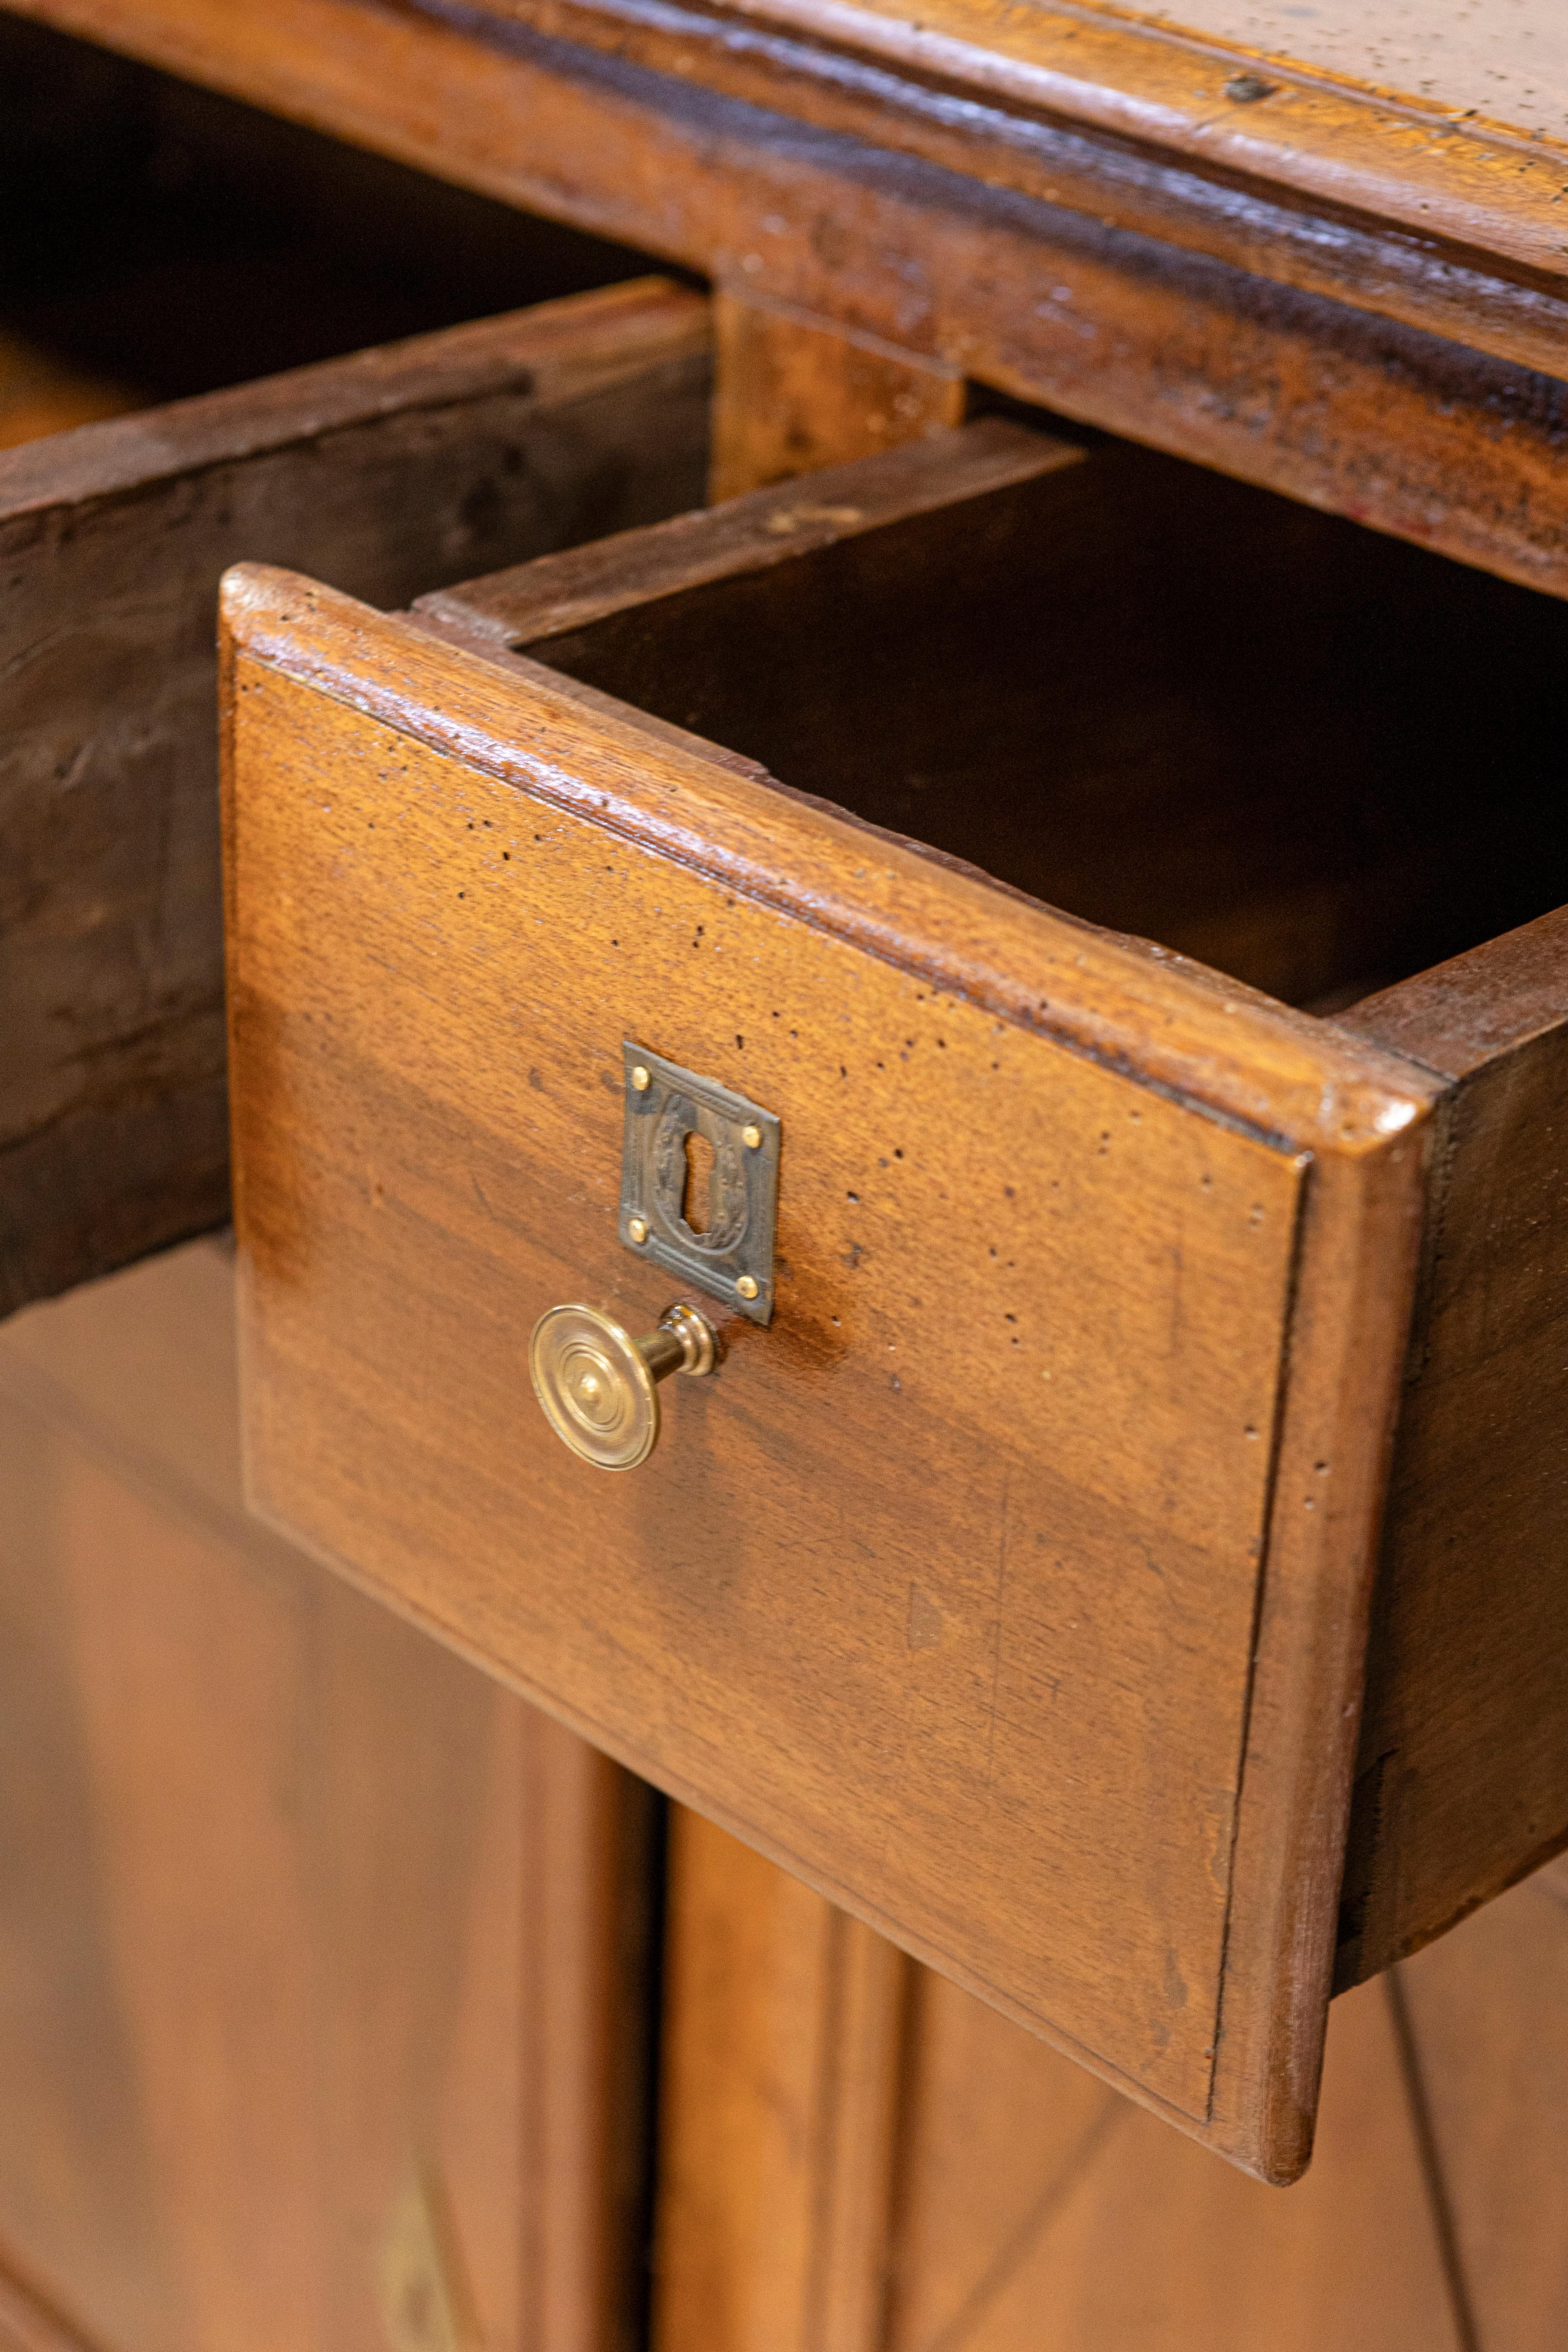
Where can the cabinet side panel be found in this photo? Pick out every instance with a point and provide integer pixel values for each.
(310, 1932)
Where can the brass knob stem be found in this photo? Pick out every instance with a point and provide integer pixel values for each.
(598, 1386)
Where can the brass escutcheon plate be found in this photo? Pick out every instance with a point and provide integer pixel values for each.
(736, 1249)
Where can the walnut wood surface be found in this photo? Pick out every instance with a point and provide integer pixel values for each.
(326, 689)
(779, 2098)
(1036, 2211)
(1483, 2019)
(1094, 225)
(301, 1911)
(1039, 2213)
(1465, 1692)
(783, 2018)
(790, 397)
(1462, 1779)
(384, 470)
(547, 600)
(1465, 150)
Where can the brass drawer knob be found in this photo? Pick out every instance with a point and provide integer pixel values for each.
(598, 1386)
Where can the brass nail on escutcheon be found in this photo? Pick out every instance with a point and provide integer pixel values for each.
(598, 1386)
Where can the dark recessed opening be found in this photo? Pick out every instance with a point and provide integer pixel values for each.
(161, 241)
(1316, 758)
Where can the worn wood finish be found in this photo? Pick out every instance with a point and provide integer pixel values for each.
(790, 397)
(779, 2088)
(302, 1917)
(783, 2018)
(1131, 124)
(1470, 161)
(783, 2050)
(1462, 1781)
(1069, 225)
(919, 1685)
(385, 470)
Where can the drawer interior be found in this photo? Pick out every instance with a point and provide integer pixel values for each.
(162, 241)
(1314, 758)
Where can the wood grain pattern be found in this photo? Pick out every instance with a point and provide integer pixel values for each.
(779, 2088)
(815, 2001)
(1511, 67)
(818, 2002)
(1462, 1779)
(1037, 2211)
(665, 621)
(1040, 2213)
(386, 469)
(290, 1897)
(1443, 160)
(790, 397)
(1324, 351)
(924, 1729)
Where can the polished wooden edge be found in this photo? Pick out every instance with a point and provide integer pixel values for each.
(1160, 1019)
(555, 351)
(1359, 1246)
(1386, 155)
(1383, 152)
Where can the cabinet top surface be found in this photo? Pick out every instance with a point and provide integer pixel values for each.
(1448, 120)
(1504, 61)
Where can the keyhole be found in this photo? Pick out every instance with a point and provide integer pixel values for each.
(699, 1199)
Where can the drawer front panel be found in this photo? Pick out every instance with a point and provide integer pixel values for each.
(944, 1589)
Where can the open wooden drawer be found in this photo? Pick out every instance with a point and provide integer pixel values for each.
(1010, 1577)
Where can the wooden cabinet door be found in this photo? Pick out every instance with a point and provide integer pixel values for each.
(858, 2156)
(322, 1959)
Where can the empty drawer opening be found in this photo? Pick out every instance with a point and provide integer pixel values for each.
(1315, 758)
(161, 241)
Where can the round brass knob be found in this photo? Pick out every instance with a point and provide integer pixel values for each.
(598, 1386)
